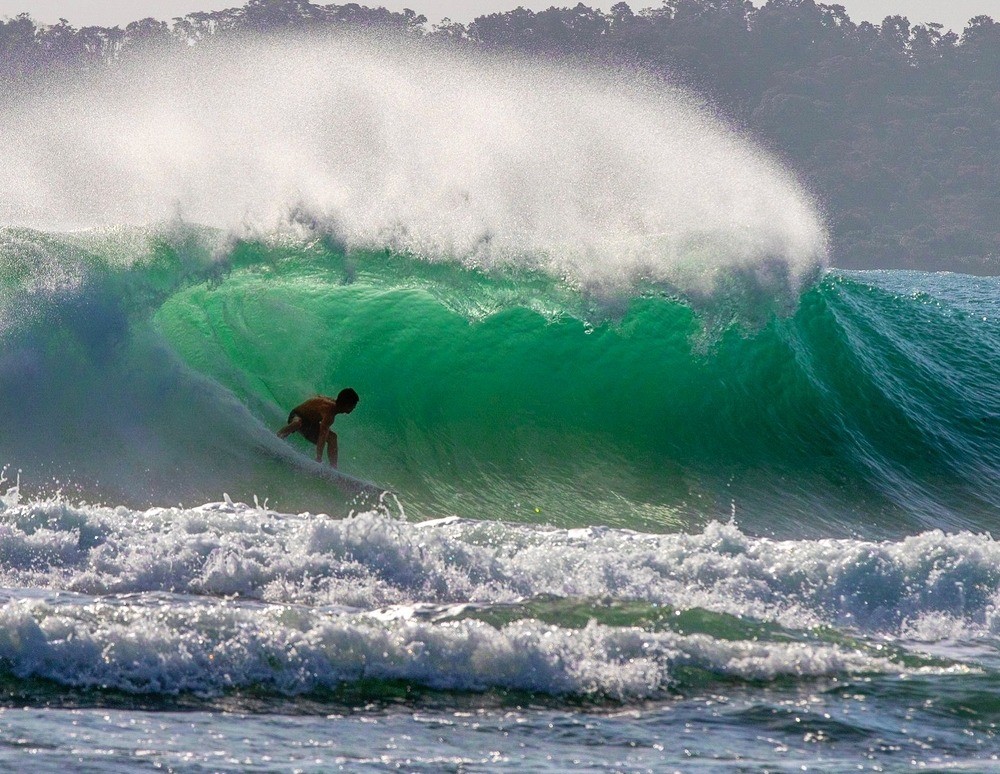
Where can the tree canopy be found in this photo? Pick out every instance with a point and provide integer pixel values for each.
(894, 127)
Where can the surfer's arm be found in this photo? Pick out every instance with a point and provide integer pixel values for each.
(324, 432)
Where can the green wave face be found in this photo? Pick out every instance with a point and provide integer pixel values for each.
(512, 397)
(511, 412)
(152, 373)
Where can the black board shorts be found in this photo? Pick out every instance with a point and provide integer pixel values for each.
(309, 430)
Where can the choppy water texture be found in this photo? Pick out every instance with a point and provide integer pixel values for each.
(686, 502)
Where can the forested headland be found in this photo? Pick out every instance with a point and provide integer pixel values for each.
(895, 128)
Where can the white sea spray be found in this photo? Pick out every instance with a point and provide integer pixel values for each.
(605, 179)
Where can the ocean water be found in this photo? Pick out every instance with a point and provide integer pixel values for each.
(636, 483)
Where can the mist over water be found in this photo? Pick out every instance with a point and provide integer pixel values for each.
(602, 179)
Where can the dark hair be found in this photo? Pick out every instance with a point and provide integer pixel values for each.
(347, 397)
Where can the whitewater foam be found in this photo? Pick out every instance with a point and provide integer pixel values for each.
(371, 561)
(605, 179)
(145, 645)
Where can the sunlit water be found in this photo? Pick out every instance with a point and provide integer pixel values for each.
(633, 484)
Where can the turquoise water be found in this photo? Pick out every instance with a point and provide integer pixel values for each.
(867, 400)
(629, 530)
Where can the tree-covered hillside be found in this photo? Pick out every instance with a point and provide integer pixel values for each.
(895, 127)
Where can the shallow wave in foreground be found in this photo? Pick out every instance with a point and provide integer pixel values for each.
(227, 596)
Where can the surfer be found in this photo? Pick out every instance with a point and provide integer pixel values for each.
(314, 418)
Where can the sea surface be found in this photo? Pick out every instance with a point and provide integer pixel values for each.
(636, 483)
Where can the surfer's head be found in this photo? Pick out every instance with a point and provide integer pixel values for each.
(347, 400)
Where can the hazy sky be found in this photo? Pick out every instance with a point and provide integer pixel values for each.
(951, 13)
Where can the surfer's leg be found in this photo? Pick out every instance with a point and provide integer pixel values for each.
(292, 427)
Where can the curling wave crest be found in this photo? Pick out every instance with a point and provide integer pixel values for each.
(604, 179)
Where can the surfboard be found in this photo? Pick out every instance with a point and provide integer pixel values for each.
(347, 483)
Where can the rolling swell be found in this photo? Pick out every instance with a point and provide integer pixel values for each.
(163, 372)
(872, 408)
